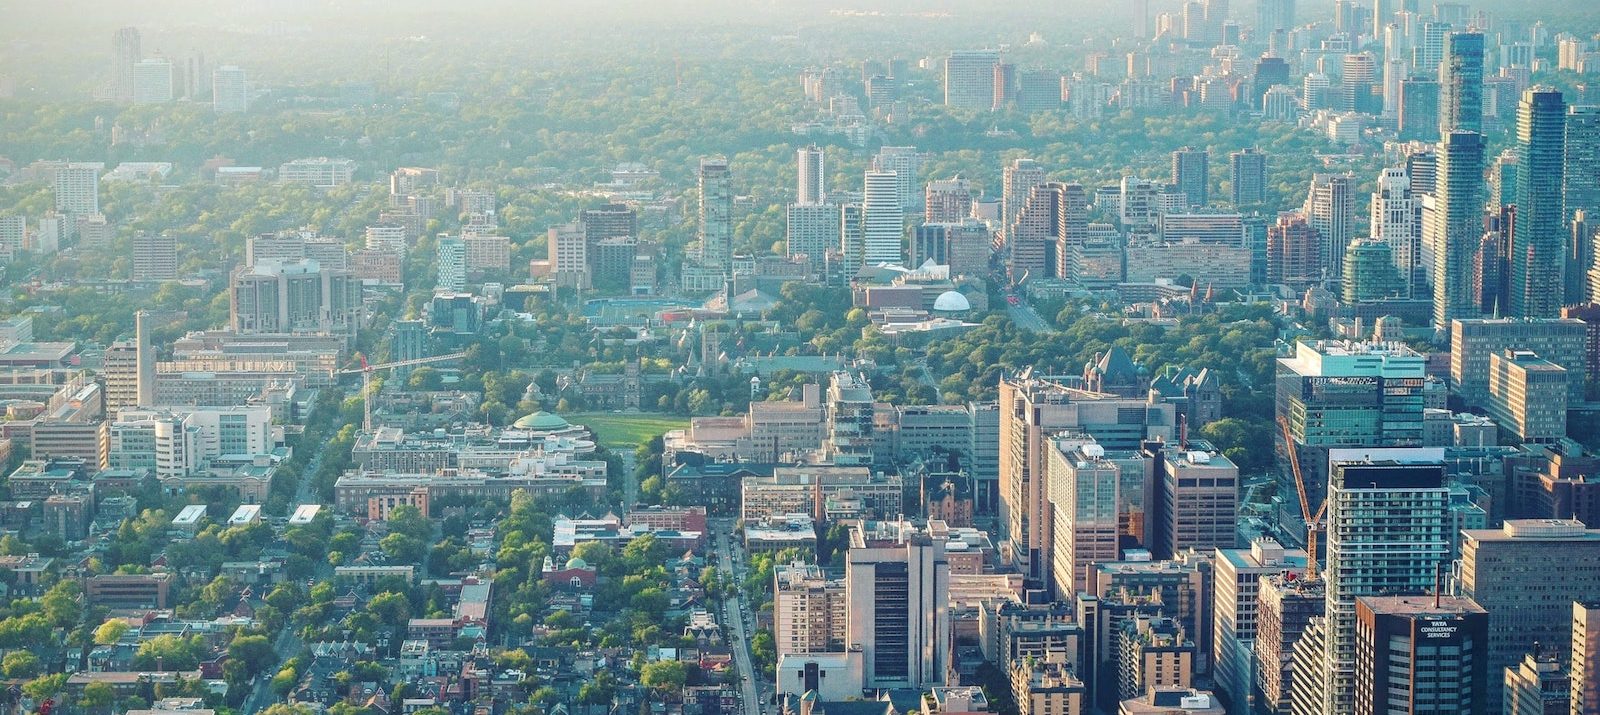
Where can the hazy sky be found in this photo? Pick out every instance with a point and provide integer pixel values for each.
(58, 47)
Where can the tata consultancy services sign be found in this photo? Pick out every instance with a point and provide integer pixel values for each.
(1437, 629)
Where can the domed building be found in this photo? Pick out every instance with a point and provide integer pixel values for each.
(542, 422)
(950, 303)
(576, 575)
(548, 432)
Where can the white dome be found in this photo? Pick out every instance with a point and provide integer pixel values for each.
(951, 302)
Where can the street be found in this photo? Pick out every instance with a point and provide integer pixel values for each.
(287, 644)
(1027, 318)
(735, 611)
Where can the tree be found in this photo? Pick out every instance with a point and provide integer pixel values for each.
(110, 632)
(286, 709)
(391, 609)
(282, 683)
(666, 676)
(24, 631)
(600, 690)
(254, 651)
(169, 652)
(652, 601)
(97, 697)
(61, 603)
(403, 547)
(20, 664)
(763, 649)
(44, 686)
(407, 519)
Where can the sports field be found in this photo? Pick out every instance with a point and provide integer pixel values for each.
(626, 430)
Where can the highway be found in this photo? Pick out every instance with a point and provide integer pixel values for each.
(735, 612)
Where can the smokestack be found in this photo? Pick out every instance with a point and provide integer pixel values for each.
(144, 361)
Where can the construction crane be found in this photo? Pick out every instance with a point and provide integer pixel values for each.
(366, 371)
(1313, 521)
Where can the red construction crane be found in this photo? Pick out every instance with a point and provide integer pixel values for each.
(366, 371)
(1313, 521)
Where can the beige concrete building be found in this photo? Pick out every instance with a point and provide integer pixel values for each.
(1585, 658)
(1041, 688)
(1526, 574)
(807, 489)
(1153, 652)
(1082, 489)
(808, 610)
(1528, 396)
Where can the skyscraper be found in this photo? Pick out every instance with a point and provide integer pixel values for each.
(882, 219)
(1330, 208)
(78, 189)
(898, 589)
(125, 54)
(1418, 654)
(850, 427)
(716, 214)
(1395, 71)
(1196, 504)
(275, 296)
(155, 256)
(1452, 223)
(1016, 185)
(811, 189)
(1247, 175)
(1461, 83)
(906, 163)
(144, 361)
(613, 220)
(229, 91)
(1239, 573)
(1030, 236)
(1538, 244)
(1585, 657)
(1369, 271)
(1293, 253)
(1285, 604)
(947, 200)
(1582, 172)
(813, 231)
(1082, 490)
(451, 253)
(1580, 255)
(851, 248)
(1269, 71)
(1337, 393)
(1191, 175)
(1527, 574)
(1537, 685)
(808, 610)
(195, 77)
(1419, 109)
(1273, 16)
(1358, 74)
(1397, 220)
(969, 78)
(152, 81)
(1072, 225)
(1031, 410)
(1387, 517)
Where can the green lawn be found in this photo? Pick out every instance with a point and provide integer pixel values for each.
(626, 430)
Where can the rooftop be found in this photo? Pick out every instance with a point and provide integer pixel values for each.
(1536, 529)
(1421, 605)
